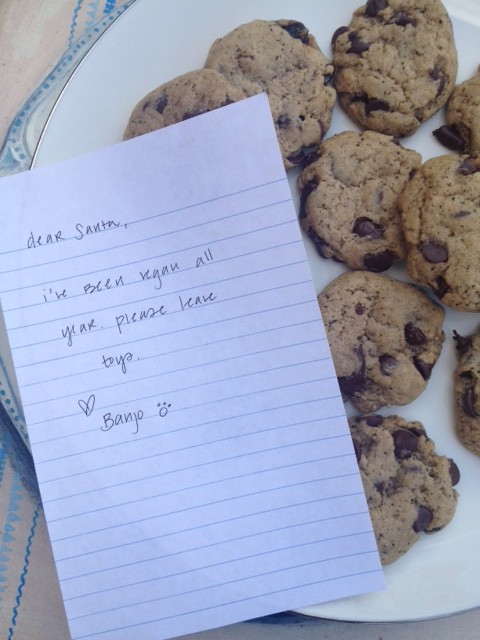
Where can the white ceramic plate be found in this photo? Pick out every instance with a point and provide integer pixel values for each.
(155, 41)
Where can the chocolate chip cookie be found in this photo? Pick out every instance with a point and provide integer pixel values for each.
(349, 198)
(408, 486)
(467, 391)
(462, 131)
(183, 97)
(385, 337)
(440, 210)
(282, 59)
(396, 64)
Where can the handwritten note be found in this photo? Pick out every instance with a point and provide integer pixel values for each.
(190, 441)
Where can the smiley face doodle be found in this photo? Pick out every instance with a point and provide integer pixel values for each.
(163, 409)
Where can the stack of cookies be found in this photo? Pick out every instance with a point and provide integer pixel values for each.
(370, 203)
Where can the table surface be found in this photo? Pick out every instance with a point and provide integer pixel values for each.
(41, 43)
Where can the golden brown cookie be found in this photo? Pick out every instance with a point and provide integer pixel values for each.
(440, 209)
(462, 131)
(281, 58)
(349, 198)
(385, 337)
(179, 99)
(467, 391)
(408, 486)
(395, 63)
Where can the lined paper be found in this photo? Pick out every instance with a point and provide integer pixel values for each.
(190, 441)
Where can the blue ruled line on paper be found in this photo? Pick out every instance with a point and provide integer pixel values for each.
(177, 351)
(334, 497)
(196, 426)
(156, 257)
(157, 475)
(274, 550)
(155, 217)
(200, 486)
(204, 404)
(297, 525)
(190, 530)
(157, 297)
(205, 363)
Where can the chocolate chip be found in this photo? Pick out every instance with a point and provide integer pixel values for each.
(296, 158)
(366, 228)
(387, 364)
(424, 519)
(378, 261)
(161, 103)
(296, 29)
(283, 122)
(437, 75)
(454, 472)
(359, 310)
(461, 214)
(450, 138)
(434, 252)
(424, 368)
(306, 191)
(462, 343)
(320, 243)
(358, 97)
(402, 19)
(468, 167)
(374, 6)
(414, 335)
(405, 443)
(468, 403)
(376, 104)
(311, 154)
(379, 486)
(329, 76)
(374, 420)
(358, 450)
(418, 431)
(356, 44)
(338, 32)
(442, 286)
(349, 385)
(193, 114)
(303, 155)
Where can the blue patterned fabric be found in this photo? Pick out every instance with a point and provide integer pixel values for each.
(21, 514)
(89, 21)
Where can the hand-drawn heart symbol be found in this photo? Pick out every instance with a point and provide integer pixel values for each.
(87, 407)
